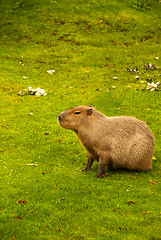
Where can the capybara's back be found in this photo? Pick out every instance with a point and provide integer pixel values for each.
(132, 143)
(116, 142)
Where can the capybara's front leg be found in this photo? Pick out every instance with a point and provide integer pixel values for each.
(103, 164)
(101, 170)
(89, 164)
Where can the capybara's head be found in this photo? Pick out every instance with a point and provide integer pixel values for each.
(75, 117)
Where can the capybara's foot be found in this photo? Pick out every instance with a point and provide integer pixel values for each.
(84, 170)
(101, 176)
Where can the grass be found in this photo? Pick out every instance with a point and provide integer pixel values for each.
(87, 43)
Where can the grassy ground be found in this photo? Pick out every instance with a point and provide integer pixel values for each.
(87, 43)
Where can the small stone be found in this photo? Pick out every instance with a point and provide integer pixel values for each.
(51, 71)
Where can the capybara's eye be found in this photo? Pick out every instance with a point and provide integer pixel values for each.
(77, 112)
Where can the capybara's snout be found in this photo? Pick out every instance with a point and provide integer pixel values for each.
(59, 117)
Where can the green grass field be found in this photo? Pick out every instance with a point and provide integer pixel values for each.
(90, 45)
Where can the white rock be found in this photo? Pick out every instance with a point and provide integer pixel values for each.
(37, 94)
(51, 71)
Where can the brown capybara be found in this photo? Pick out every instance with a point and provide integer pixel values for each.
(116, 142)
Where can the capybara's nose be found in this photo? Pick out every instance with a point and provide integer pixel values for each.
(59, 117)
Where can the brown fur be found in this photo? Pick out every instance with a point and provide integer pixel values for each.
(117, 142)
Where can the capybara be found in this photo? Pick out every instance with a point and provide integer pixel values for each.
(119, 142)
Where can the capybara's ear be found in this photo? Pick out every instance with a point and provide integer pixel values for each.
(89, 106)
(89, 111)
